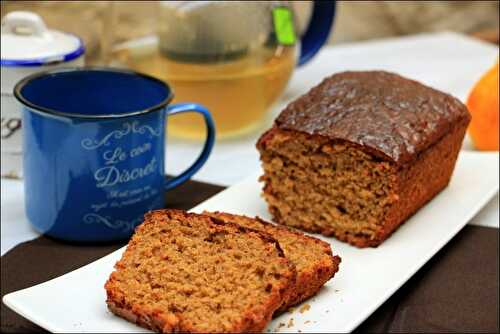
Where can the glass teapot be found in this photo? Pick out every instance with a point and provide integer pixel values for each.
(235, 57)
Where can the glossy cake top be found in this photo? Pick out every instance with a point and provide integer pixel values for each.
(384, 112)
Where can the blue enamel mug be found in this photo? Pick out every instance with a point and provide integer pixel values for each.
(94, 150)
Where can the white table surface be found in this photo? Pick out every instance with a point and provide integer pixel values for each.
(447, 61)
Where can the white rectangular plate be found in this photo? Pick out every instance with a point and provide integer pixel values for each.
(75, 302)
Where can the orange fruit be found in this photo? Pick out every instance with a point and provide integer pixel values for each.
(483, 106)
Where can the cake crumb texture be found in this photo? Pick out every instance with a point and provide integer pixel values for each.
(184, 272)
(312, 257)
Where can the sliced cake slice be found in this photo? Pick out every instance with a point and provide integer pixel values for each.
(312, 257)
(185, 272)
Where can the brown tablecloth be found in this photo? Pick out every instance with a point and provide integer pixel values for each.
(457, 291)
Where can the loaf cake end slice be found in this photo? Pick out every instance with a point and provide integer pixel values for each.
(360, 153)
(184, 272)
(312, 257)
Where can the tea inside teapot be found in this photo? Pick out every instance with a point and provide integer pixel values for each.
(226, 55)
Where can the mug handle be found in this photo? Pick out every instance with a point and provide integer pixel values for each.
(207, 148)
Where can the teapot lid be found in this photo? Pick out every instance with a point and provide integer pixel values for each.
(26, 41)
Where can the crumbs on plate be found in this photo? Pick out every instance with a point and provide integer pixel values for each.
(304, 308)
(280, 325)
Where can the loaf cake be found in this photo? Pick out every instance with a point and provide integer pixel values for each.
(312, 257)
(183, 272)
(360, 153)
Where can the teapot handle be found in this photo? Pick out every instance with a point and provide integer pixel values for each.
(318, 30)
